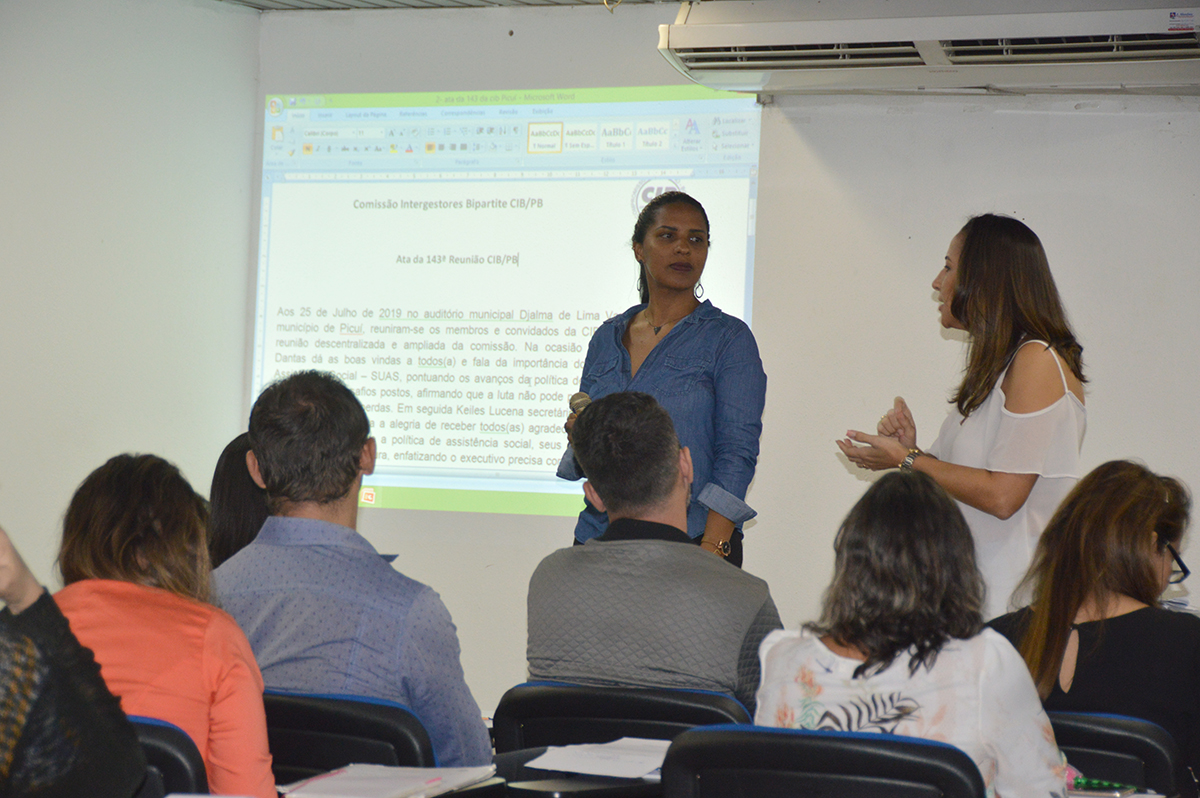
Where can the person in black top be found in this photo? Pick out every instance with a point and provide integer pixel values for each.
(62, 733)
(1095, 637)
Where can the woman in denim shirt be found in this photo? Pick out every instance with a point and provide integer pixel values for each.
(699, 363)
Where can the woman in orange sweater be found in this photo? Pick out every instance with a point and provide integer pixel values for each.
(134, 560)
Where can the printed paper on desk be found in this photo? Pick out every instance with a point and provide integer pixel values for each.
(382, 781)
(629, 757)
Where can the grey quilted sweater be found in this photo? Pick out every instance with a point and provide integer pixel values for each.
(648, 613)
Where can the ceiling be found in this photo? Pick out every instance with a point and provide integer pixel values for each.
(336, 5)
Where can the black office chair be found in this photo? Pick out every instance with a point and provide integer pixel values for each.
(548, 713)
(173, 762)
(720, 761)
(1119, 748)
(311, 734)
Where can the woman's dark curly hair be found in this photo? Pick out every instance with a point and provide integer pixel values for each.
(904, 575)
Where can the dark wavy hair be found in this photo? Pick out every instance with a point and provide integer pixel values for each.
(307, 432)
(647, 219)
(136, 519)
(1106, 539)
(1005, 294)
(626, 445)
(237, 506)
(904, 575)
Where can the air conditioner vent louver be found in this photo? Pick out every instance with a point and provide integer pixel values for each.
(802, 56)
(938, 46)
(1073, 48)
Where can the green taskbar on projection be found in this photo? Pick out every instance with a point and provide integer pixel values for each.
(449, 256)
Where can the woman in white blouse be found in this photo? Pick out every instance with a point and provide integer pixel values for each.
(900, 648)
(1009, 451)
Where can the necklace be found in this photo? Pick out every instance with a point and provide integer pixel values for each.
(658, 328)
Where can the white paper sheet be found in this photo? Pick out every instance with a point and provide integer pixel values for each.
(629, 757)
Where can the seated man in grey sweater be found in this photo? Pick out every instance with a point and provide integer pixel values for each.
(642, 605)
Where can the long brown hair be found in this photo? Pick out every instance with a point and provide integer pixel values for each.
(1104, 541)
(136, 519)
(1005, 294)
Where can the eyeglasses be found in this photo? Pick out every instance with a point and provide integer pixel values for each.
(1180, 571)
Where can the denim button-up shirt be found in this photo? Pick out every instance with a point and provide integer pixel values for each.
(707, 373)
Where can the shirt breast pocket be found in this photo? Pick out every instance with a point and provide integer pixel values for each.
(604, 378)
(680, 375)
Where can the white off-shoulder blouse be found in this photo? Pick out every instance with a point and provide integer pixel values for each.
(1045, 443)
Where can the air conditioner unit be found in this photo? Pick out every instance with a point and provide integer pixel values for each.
(937, 46)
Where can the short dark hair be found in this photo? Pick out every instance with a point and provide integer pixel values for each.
(237, 505)
(307, 432)
(626, 445)
(646, 220)
(136, 519)
(904, 575)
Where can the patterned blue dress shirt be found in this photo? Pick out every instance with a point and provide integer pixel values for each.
(324, 613)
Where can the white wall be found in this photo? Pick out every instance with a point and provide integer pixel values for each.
(126, 158)
(123, 326)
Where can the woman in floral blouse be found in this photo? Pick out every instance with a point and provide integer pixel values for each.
(900, 647)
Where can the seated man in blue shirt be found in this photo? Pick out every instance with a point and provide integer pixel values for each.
(323, 611)
(642, 605)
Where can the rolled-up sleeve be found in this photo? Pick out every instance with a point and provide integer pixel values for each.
(740, 390)
(568, 466)
(719, 500)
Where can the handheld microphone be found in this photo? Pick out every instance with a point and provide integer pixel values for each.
(579, 401)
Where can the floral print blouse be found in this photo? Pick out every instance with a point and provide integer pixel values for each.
(978, 696)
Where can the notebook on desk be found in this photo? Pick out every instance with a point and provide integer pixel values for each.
(382, 781)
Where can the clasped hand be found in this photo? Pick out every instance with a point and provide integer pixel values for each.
(896, 433)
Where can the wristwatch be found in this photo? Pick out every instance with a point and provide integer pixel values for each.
(907, 463)
(719, 547)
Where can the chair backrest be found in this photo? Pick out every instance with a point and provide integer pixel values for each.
(310, 734)
(173, 762)
(720, 761)
(541, 713)
(1119, 748)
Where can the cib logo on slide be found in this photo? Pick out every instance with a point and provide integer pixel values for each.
(649, 189)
